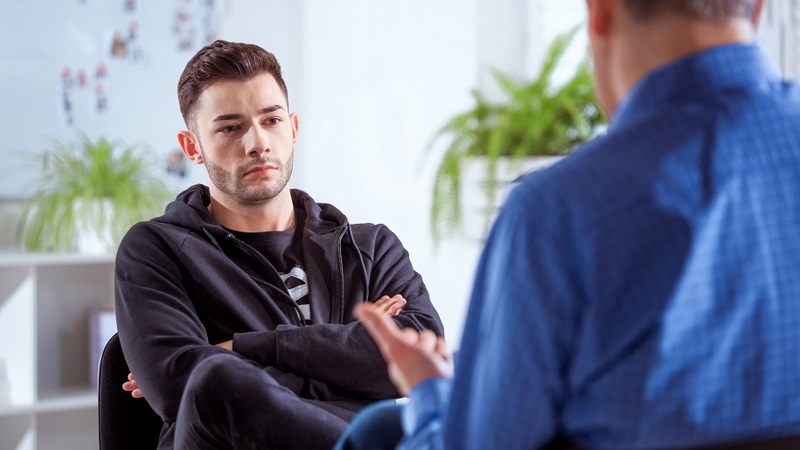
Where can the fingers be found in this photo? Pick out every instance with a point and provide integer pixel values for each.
(380, 327)
(391, 305)
(427, 340)
(441, 348)
(397, 305)
(132, 386)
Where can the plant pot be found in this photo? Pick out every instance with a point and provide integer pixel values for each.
(478, 210)
(93, 232)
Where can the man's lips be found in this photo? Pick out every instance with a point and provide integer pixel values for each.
(260, 170)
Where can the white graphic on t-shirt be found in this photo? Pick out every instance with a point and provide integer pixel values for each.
(297, 284)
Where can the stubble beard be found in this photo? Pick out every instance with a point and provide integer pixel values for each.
(232, 185)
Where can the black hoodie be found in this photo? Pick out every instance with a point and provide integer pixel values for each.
(184, 283)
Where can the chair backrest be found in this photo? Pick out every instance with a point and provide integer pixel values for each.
(126, 423)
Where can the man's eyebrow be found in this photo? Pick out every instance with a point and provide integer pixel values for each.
(270, 109)
(227, 117)
(236, 116)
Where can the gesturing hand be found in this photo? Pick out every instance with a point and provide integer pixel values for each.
(412, 356)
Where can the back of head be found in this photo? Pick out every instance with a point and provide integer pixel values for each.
(224, 61)
(703, 10)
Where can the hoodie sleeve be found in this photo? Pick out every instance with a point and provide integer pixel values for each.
(161, 335)
(343, 355)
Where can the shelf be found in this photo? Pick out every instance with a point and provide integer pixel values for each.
(52, 259)
(48, 304)
(66, 401)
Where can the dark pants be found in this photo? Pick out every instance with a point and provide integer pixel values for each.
(230, 403)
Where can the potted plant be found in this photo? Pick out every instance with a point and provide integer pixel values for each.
(535, 119)
(92, 193)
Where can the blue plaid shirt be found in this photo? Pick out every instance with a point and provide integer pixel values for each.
(644, 292)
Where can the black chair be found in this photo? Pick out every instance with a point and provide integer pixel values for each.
(126, 423)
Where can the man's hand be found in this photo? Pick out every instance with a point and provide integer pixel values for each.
(132, 387)
(412, 356)
(391, 306)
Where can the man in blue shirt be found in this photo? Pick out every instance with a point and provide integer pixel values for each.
(645, 292)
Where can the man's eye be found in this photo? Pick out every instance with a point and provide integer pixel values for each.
(229, 129)
(273, 120)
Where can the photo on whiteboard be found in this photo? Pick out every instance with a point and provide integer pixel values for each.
(71, 97)
(209, 13)
(184, 26)
(118, 46)
(176, 164)
(130, 6)
(133, 42)
(67, 102)
(98, 107)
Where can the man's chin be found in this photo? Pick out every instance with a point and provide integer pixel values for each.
(263, 195)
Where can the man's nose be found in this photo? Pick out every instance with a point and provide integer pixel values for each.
(256, 141)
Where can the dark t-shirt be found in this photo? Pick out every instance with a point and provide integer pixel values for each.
(284, 249)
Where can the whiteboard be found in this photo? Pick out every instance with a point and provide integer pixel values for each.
(59, 52)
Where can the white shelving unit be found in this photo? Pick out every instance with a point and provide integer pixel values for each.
(45, 307)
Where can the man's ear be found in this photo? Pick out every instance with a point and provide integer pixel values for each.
(190, 148)
(295, 126)
(757, 14)
(600, 15)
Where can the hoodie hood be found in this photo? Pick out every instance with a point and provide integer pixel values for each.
(190, 211)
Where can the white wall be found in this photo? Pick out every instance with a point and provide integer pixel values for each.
(780, 34)
(381, 77)
(371, 83)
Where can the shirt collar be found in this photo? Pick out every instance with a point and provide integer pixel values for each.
(699, 75)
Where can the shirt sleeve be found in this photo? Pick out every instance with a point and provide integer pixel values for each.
(423, 416)
(510, 380)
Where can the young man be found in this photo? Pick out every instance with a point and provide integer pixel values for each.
(644, 293)
(235, 307)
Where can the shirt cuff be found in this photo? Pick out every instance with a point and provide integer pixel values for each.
(427, 405)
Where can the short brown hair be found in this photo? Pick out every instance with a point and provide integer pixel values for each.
(705, 10)
(224, 61)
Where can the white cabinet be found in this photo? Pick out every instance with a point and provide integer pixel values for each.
(45, 306)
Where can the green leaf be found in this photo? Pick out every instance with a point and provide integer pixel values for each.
(99, 185)
(534, 118)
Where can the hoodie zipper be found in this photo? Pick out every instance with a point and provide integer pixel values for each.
(285, 295)
(301, 321)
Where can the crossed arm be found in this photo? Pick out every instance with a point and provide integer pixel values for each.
(412, 356)
(385, 306)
